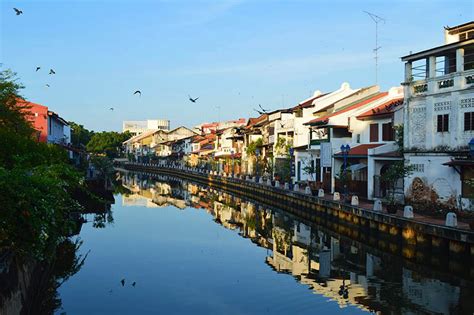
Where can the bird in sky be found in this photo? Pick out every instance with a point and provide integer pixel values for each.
(51, 71)
(47, 85)
(263, 109)
(37, 68)
(18, 11)
(111, 108)
(133, 284)
(193, 99)
(138, 92)
(122, 282)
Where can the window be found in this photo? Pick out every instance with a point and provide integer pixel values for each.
(469, 121)
(358, 138)
(387, 132)
(443, 123)
(419, 168)
(374, 132)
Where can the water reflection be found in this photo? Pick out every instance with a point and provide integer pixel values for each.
(336, 267)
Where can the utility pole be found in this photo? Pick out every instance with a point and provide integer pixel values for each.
(377, 19)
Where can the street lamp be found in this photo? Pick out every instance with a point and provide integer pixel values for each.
(257, 154)
(345, 152)
(471, 147)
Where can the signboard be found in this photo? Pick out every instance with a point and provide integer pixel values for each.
(326, 154)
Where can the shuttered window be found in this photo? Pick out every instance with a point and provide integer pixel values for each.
(468, 121)
(374, 132)
(443, 123)
(387, 132)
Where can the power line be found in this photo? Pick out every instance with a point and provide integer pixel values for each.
(377, 19)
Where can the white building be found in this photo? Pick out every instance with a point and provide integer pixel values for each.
(136, 127)
(439, 118)
(307, 146)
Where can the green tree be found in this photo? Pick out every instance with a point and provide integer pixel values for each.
(36, 181)
(80, 136)
(108, 143)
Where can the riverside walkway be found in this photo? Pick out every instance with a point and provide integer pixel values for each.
(420, 230)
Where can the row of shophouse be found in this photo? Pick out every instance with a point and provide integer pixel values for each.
(358, 128)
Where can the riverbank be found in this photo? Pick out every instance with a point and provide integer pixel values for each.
(414, 232)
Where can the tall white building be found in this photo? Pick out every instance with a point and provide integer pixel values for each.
(136, 127)
(439, 118)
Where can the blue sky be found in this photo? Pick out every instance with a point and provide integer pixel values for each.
(233, 54)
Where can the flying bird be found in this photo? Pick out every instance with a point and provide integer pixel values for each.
(133, 284)
(51, 71)
(37, 68)
(193, 99)
(263, 109)
(123, 282)
(138, 92)
(47, 85)
(111, 108)
(17, 11)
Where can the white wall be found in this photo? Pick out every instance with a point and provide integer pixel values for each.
(444, 179)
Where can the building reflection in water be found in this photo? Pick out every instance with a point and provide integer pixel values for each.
(343, 270)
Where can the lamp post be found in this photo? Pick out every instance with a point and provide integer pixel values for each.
(471, 147)
(257, 154)
(345, 151)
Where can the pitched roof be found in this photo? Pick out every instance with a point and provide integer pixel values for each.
(383, 109)
(253, 121)
(307, 102)
(325, 119)
(360, 150)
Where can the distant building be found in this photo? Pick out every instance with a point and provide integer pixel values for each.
(214, 126)
(49, 126)
(136, 127)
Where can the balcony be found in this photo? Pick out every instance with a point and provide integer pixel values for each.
(446, 83)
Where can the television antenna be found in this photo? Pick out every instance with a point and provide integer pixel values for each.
(377, 19)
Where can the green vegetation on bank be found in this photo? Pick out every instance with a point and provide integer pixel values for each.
(107, 142)
(36, 180)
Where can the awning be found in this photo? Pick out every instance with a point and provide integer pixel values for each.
(357, 167)
(460, 163)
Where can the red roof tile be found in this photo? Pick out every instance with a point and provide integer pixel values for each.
(382, 110)
(361, 149)
(324, 119)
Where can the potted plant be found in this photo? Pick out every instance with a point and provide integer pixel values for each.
(310, 169)
(395, 172)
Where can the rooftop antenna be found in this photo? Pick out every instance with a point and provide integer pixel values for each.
(377, 19)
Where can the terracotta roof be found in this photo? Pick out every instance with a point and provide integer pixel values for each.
(360, 149)
(384, 109)
(253, 121)
(324, 119)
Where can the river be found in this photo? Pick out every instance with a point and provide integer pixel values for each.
(183, 248)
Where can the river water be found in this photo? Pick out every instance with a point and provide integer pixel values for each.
(182, 248)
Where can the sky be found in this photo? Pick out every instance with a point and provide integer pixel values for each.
(232, 54)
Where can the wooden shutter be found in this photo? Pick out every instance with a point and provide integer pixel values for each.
(374, 132)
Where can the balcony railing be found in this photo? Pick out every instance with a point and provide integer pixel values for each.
(456, 80)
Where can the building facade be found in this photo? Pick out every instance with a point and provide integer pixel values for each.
(439, 119)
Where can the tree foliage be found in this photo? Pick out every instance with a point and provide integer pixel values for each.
(36, 181)
(80, 136)
(107, 142)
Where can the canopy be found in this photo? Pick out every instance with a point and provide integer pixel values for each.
(357, 167)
